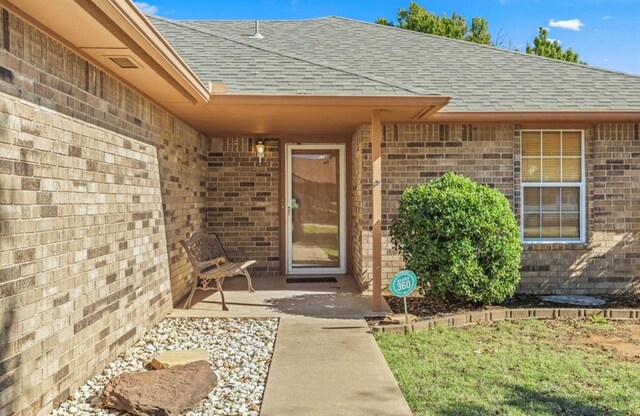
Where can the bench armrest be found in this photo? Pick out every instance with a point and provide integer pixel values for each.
(218, 261)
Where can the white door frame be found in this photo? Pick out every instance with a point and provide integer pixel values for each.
(289, 212)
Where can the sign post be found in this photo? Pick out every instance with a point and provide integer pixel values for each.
(402, 285)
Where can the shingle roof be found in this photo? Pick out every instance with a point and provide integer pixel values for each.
(334, 55)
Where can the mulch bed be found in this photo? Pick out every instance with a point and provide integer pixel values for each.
(428, 307)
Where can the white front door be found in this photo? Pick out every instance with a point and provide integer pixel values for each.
(315, 209)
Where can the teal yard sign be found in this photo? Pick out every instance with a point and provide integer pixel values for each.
(402, 285)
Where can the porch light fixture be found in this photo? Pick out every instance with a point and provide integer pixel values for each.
(260, 151)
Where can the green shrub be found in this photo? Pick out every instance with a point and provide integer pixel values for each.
(460, 238)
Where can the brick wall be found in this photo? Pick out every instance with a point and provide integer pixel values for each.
(361, 235)
(610, 260)
(487, 153)
(417, 153)
(97, 186)
(242, 201)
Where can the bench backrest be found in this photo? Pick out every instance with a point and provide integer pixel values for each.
(203, 247)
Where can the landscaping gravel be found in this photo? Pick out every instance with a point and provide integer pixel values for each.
(240, 353)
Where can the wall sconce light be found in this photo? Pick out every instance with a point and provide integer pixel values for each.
(260, 151)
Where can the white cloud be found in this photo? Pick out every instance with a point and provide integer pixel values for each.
(555, 40)
(607, 17)
(146, 8)
(573, 24)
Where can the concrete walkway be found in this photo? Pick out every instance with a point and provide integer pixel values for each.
(325, 361)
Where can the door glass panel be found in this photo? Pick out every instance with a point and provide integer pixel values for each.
(315, 208)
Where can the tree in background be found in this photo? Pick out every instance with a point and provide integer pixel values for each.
(419, 19)
(479, 32)
(550, 48)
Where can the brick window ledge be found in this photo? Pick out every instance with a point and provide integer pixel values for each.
(554, 246)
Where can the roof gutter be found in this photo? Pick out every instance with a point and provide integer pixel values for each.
(552, 116)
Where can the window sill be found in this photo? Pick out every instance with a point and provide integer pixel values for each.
(554, 245)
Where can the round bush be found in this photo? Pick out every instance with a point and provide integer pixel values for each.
(460, 238)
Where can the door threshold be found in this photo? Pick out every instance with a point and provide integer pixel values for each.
(311, 279)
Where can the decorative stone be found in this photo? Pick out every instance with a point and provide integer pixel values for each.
(166, 392)
(575, 300)
(242, 349)
(399, 318)
(170, 359)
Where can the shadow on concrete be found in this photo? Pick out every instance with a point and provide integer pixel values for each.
(313, 305)
(274, 297)
(323, 305)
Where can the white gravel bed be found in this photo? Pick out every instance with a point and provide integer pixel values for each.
(240, 353)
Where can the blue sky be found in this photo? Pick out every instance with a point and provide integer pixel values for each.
(606, 33)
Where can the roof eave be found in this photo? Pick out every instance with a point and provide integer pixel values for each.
(540, 115)
(426, 105)
(296, 115)
(122, 20)
(153, 39)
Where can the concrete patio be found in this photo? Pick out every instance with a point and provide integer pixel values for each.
(326, 361)
(274, 297)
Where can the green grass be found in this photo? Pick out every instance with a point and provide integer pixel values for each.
(327, 233)
(521, 368)
(320, 229)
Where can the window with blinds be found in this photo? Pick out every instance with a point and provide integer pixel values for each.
(553, 186)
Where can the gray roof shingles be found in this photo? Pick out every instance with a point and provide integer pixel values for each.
(335, 55)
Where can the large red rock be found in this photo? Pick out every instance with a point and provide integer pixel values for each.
(162, 392)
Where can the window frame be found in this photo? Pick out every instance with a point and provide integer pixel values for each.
(582, 185)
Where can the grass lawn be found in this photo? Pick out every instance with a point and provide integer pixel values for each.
(328, 238)
(526, 367)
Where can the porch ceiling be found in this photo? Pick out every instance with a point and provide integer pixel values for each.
(299, 116)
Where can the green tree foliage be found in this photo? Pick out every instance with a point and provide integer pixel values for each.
(417, 18)
(383, 21)
(543, 46)
(479, 32)
(460, 238)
